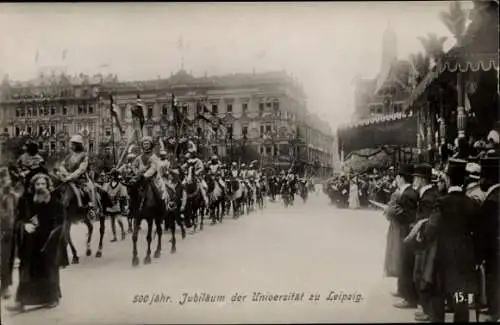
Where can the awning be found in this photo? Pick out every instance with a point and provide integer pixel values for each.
(388, 132)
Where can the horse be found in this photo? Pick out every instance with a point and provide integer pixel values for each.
(195, 203)
(215, 199)
(259, 193)
(173, 216)
(304, 191)
(237, 197)
(146, 203)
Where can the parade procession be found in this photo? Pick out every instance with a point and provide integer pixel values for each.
(315, 181)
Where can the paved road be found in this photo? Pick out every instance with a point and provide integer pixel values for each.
(310, 248)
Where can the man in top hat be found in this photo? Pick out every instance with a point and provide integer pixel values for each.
(449, 228)
(428, 196)
(402, 216)
(472, 188)
(488, 237)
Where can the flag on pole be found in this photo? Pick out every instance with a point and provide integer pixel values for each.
(64, 52)
(114, 111)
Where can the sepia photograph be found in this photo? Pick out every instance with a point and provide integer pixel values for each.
(249, 163)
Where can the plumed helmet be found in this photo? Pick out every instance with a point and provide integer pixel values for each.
(163, 153)
(214, 157)
(234, 164)
(147, 139)
(243, 165)
(76, 138)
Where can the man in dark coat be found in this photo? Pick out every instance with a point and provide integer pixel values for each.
(451, 223)
(488, 237)
(428, 196)
(403, 216)
(39, 235)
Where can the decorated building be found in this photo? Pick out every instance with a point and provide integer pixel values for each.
(459, 96)
(378, 120)
(256, 116)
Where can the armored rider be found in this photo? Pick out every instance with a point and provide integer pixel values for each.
(235, 172)
(147, 165)
(29, 161)
(193, 161)
(214, 170)
(74, 171)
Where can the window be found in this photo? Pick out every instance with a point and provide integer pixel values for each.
(52, 129)
(91, 108)
(46, 110)
(261, 150)
(268, 129)
(52, 146)
(52, 110)
(23, 112)
(261, 108)
(108, 132)
(62, 144)
(262, 131)
(245, 130)
(276, 106)
(35, 111)
(215, 109)
(198, 132)
(230, 131)
(185, 110)
(65, 129)
(150, 131)
(91, 146)
(5, 130)
(18, 111)
(214, 150)
(18, 131)
(40, 145)
(244, 108)
(150, 111)
(229, 108)
(29, 130)
(164, 109)
(268, 150)
(268, 104)
(30, 111)
(80, 109)
(379, 109)
(65, 110)
(40, 130)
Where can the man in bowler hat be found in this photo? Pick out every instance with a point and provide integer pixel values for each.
(451, 222)
(488, 237)
(404, 216)
(428, 196)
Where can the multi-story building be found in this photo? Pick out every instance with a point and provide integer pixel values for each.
(261, 116)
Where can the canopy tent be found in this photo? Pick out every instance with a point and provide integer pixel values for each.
(390, 130)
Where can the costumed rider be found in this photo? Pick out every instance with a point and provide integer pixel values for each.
(73, 170)
(29, 162)
(198, 167)
(235, 172)
(127, 169)
(214, 170)
(252, 173)
(147, 166)
(164, 163)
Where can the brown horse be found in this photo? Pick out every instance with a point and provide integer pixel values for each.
(194, 201)
(146, 203)
(216, 199)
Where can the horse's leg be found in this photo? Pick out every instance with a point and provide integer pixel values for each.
(135, 233)
(75, 259)
(177, 218)
(173, 240)
(149, 238)
(90, 231)
(159, 232)
(202, 221)
(102, 230)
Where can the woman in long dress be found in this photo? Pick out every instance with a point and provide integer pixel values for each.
(353, 194)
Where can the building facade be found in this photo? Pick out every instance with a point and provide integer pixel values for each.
(256, 116)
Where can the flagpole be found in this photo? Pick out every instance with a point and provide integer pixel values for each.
(112, 128)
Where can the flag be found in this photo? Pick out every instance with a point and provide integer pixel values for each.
(138, 112)
(37, 54)
(114, 113)
(64, 52)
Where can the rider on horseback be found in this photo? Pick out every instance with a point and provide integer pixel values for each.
(235, 172)
(29, 161)
(127, 170)
(147, 166)
(73, 170)
(243, 171)
(197, 164)
(214, 168)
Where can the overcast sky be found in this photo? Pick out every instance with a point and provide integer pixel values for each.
(325, 45)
